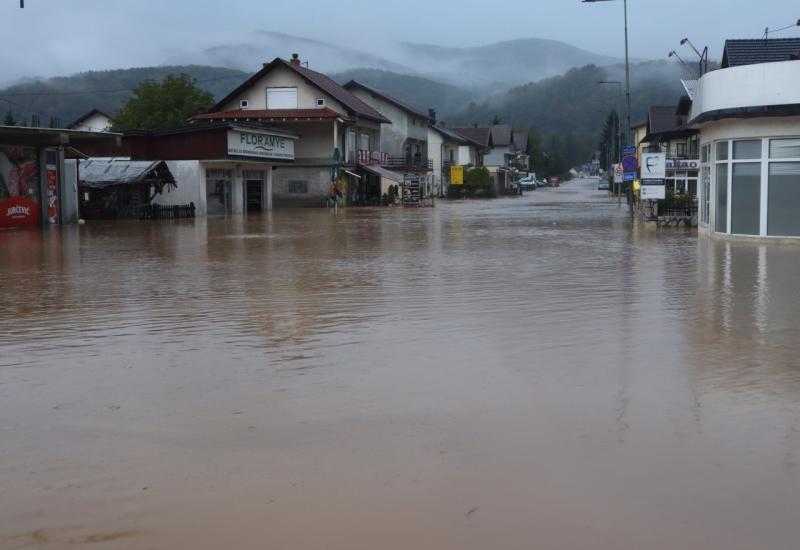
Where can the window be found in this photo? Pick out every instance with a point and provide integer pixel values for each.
(747, 150)
(680, 150)
(243, 104)
(364, 144)
(721, 225)
(298, 187)
(722, 150)
(706, 204)
(784, 199)
(320, 102)
(281, 98)
(746, 197)
(350, 147)
(784, 149)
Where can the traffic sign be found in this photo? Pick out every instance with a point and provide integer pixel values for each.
(618, 173)
(629, 150)
(630, 164)
(629, 176)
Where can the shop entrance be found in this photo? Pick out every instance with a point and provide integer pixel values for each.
(254, 190)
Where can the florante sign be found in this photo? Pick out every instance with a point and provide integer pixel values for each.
(261, 145)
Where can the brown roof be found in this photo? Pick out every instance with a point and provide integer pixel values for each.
(389, 99)
(351, 103)
(271, 114)
(480, 136)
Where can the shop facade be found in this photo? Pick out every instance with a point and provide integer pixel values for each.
(749, 122)
(221, 168)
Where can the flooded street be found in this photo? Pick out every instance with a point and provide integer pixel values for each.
(512, 374)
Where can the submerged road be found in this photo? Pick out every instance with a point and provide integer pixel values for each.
(522, 373)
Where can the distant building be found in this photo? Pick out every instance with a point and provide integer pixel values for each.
(667, 132)
(447, 149)
(503, 156)
(748, 115)
(93, 121)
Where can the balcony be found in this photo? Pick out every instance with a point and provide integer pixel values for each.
(372, 157)
(409, 162)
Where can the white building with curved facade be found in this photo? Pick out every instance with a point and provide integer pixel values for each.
(748, 114)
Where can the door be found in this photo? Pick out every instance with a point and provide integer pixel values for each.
(255, 195)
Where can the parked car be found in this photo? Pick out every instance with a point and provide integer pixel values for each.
(602, 185)
(528, 183)
(554, 182)
(541, 183)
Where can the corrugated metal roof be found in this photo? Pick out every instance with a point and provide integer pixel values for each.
(691, 87)
(755, 51)
(97, 172)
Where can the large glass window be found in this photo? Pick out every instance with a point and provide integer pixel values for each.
(721, 224)
(746, 199)
(747, 150)
(706, 204)
(783, 214)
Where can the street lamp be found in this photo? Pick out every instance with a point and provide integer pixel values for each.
(627, 69)
(703, 56)
(685, 64)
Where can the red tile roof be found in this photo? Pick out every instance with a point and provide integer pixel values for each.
(272, 114)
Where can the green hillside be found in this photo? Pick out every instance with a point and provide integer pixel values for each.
(67, 98)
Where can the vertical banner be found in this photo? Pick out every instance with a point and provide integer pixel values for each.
(52, 195)
(19, 187)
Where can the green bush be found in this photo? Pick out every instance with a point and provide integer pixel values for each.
(478, 183)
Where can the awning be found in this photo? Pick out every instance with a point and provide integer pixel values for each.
(382, 172)
(348, 172)
(99, 173)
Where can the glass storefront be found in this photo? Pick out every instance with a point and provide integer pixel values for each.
(757, 185)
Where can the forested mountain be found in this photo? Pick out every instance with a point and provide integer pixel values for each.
(419, 92)
(67, 98)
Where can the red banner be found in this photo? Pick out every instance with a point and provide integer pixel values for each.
(18, 211)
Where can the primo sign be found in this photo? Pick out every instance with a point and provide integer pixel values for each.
(254, 144)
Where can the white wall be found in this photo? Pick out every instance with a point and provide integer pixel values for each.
(403, 127)
(190, 178)
(497, 156)
(435, 142)
(279, 77)
(748, 86)
(95, 123)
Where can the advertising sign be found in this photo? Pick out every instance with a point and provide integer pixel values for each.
(456, 175)
(654, 166)
(411, 191)
(19, 187)
(52, 195)
(686, 164)
(260, 144)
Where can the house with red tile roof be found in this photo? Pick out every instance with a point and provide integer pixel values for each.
(327, 119)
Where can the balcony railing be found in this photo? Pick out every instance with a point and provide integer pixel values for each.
(409, 162)
(372, 157)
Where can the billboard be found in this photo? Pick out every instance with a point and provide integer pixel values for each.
(456, 175)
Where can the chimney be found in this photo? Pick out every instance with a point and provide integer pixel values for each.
(432, 115)
(295, 59)
(442, 124)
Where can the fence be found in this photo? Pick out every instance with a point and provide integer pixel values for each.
(167, 212)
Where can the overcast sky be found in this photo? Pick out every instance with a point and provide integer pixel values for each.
(59, 37)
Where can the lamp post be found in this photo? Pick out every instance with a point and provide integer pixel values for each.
(627, 70)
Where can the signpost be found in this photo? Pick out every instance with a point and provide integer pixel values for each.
(456, 175)
(653, 190)
(654, 166)
(630, 163)
(629, 150)
(411, 190)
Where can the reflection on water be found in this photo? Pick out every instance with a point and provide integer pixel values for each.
(516, 373)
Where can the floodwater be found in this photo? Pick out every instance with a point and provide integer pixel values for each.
(523, 373)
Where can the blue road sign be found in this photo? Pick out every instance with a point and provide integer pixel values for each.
(629, 176)
(629, 150)
(630, 164)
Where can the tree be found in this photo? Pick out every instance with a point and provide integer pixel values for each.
(496, 120)
(166, 104)
(9, 120)
(478, 182)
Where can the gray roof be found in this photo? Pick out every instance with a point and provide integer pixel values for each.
(105, 172)
(480, 136)
(664, 119)
(387, 98)
(521, 140)
(755, 51)
(501, 135)
(450, 135)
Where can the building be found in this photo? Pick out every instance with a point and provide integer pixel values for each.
(447, 149)
(748, 115)
(93, 121)
(223, 167)
(502, 156)
(667, 132)
(39, 174)
(331, 126)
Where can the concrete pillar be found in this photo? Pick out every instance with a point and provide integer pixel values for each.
(268, 193)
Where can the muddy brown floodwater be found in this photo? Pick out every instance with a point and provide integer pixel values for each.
(517, 374)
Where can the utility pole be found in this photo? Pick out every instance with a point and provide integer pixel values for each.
(627, 79)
